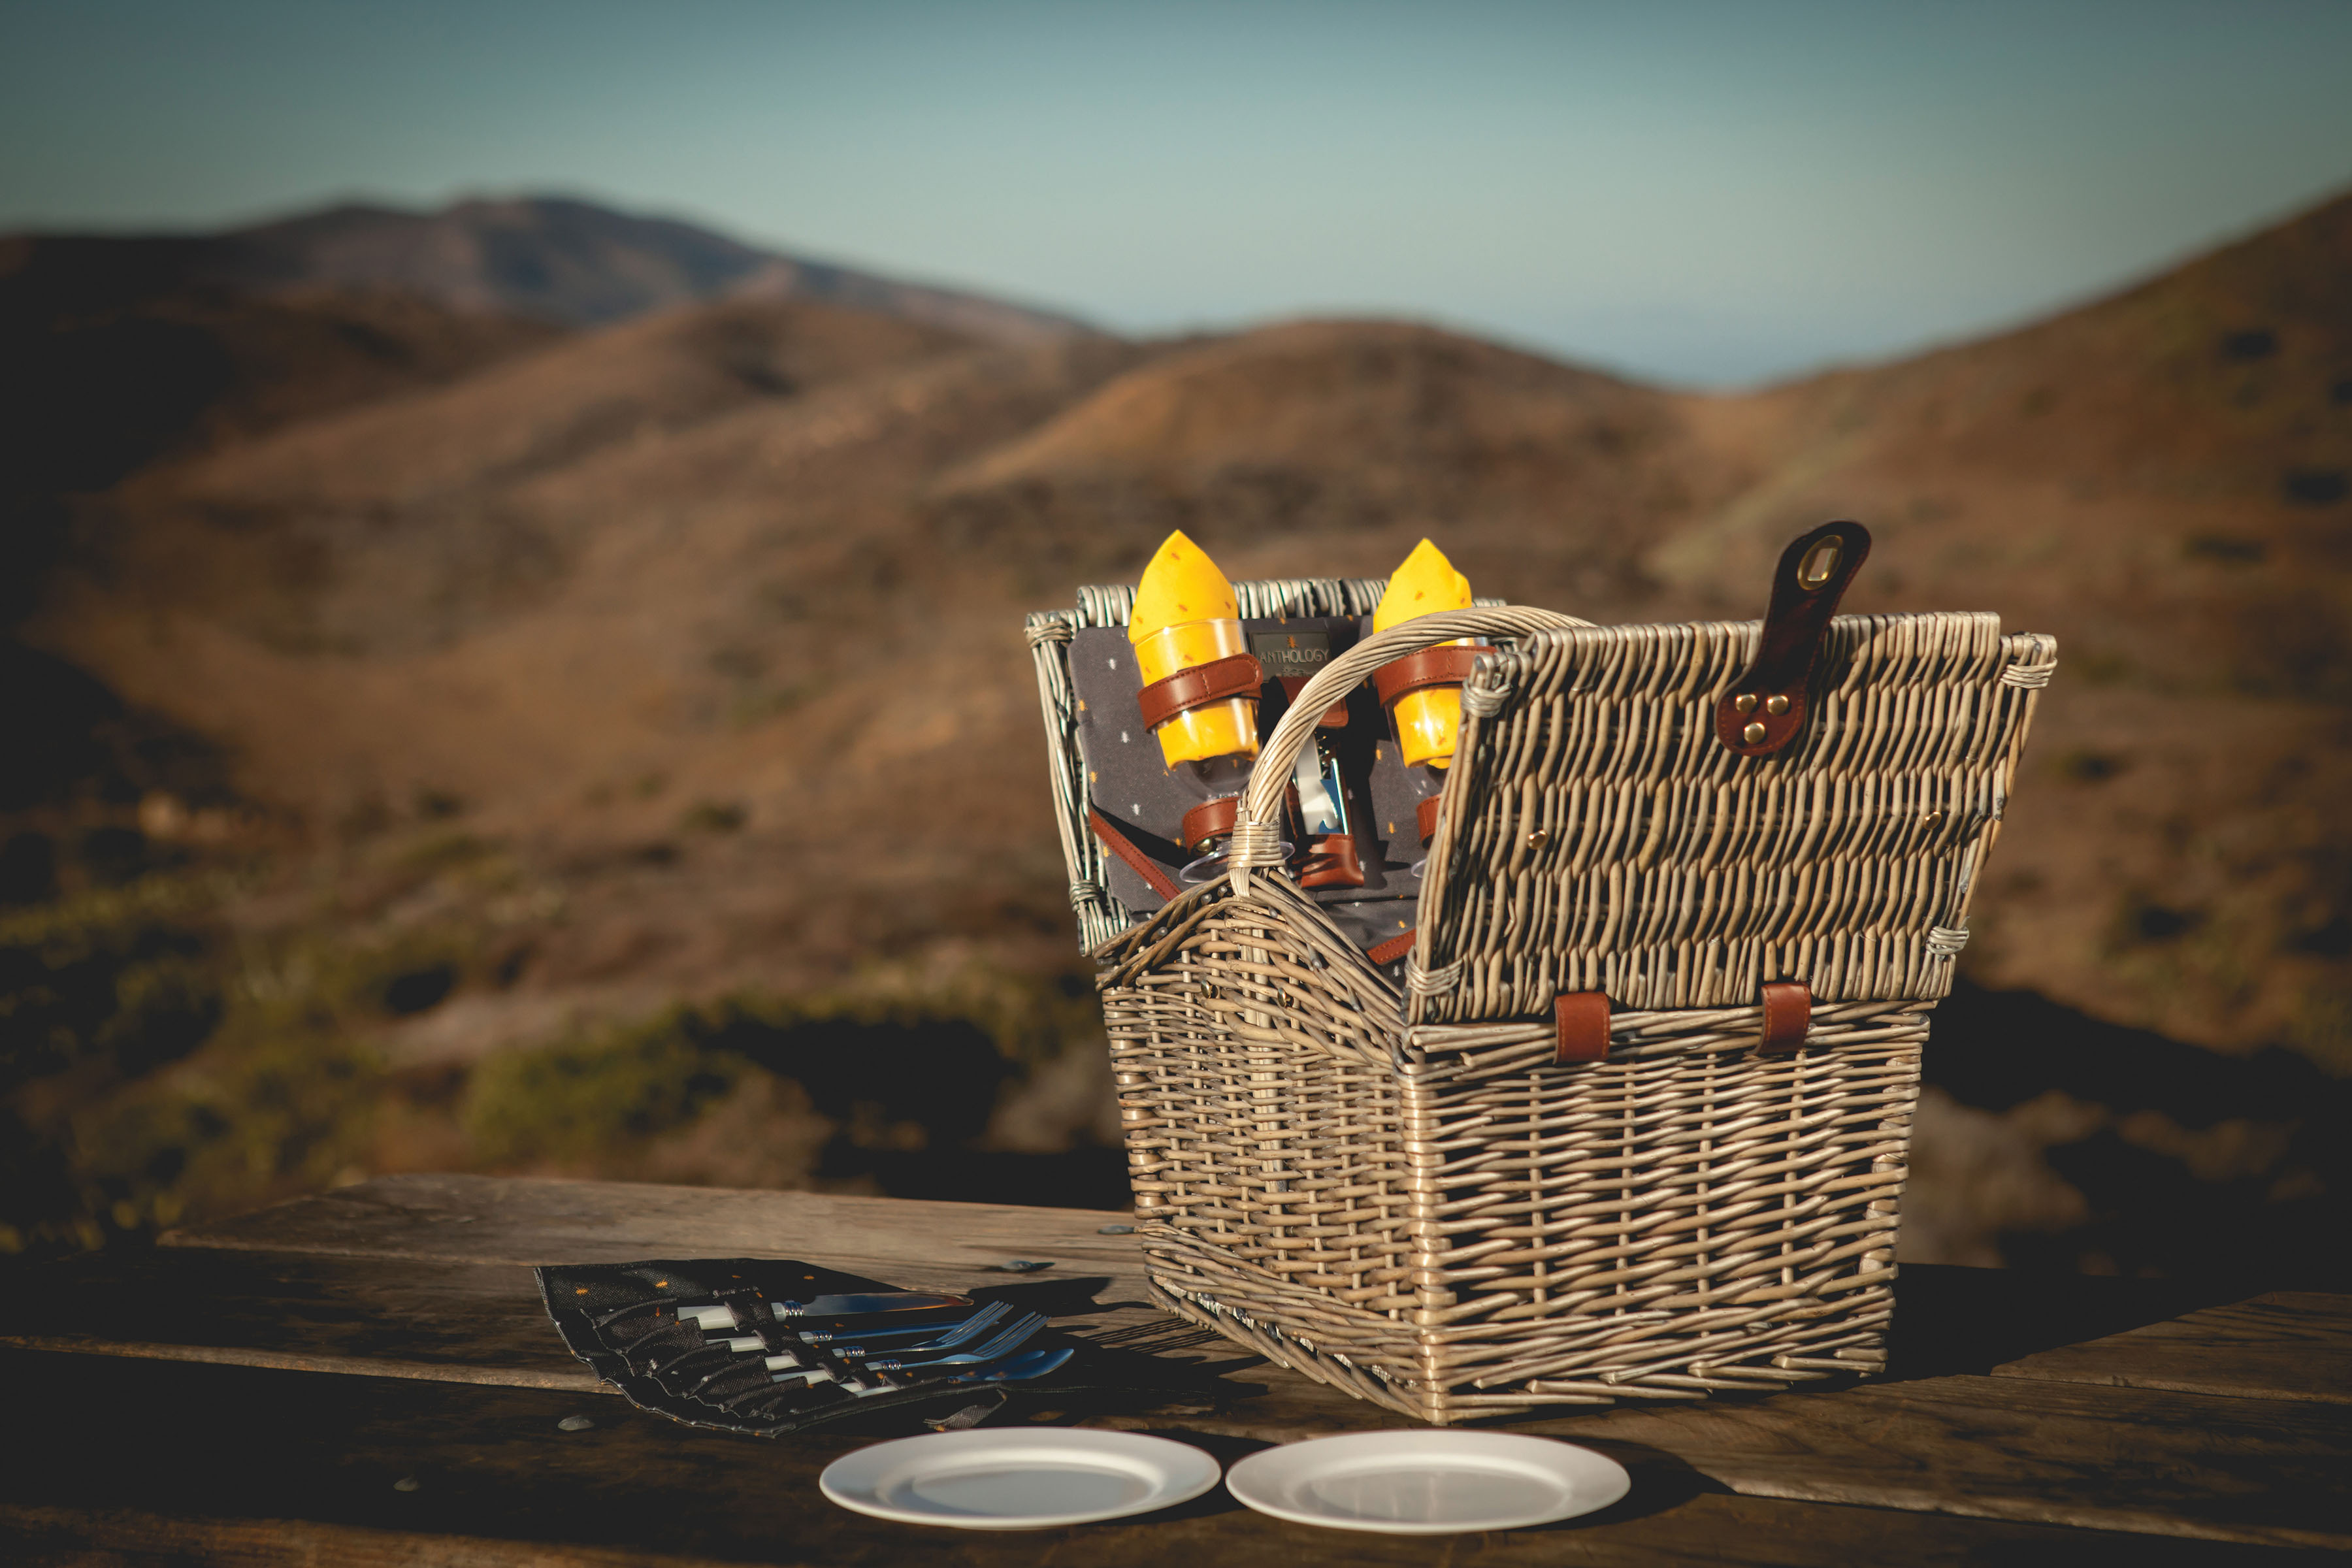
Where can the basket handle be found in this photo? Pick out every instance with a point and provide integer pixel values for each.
(1256, 838)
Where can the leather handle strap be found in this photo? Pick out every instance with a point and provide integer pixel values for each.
(1215, 819)
(1765, 709)
(1448, 664)
(1583, 1017)
(1210, 819)
(1396, 947)
(1788, 1017)
(1425, 817)
(1135, 860)
(1235, 674)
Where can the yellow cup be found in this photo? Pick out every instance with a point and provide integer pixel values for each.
(1428, 721)
(1226, 729)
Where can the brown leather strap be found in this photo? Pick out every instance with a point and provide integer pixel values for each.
(1424, 817)
(1788, 1016)
(1235, 674)
(1389, 952)
(1583, 1020)
(1210, 819)
(1214, 819)
(1448, 664)
(1334, 717)
(1331, 862)
(1765, 709)
(1137, 861)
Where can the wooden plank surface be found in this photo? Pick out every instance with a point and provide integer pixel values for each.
(2090, 1454)
(39, 1536)
(490, 1219)
(1946, 1320)
(2098, 1456)
(2193, 1337)
(2283, 1345)
(478, 1322)
(494, 1480)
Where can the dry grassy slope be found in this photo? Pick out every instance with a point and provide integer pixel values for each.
(734, 599)
(620, 561)
(399, 524)
(1327, 447)
(103, 371)
(2160, 479)
(775, 558)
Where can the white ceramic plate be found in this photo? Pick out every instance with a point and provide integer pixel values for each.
(1427, 1483)
(1025, 1479)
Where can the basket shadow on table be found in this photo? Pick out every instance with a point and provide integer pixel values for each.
(1958, 1321)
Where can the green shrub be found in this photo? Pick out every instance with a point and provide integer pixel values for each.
(568, 1100)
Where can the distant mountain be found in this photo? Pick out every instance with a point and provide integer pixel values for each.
(110, 360)
(554, 260)
(116, 351)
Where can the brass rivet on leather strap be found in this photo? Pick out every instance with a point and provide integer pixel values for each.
(1775, 705)
(1753, 733)
(1744, 703)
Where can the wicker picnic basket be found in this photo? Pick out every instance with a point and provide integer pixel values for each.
(1400, 1180)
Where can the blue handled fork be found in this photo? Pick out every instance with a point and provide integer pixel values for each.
(1006, 1338)
(939, 1339)
(997, 1345)
(955, 1335)
(1016, 1369)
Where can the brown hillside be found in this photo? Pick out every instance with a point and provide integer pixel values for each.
(104, 369)
(396, 524)
(689, 616)
(683, 657)
(1328, 447)
(630, 546)
(2160, 479)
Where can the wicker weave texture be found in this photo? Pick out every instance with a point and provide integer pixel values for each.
(1397, 1191)
(1448, 1224)
(1597, 837)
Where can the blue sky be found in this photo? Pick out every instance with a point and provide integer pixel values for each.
(1705, 193)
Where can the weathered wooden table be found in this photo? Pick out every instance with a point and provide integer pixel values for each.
(366, 1377)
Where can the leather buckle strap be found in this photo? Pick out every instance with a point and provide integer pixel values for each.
(1787, 1018)
(1209, 820)
(1331, 862)
(1765, 709)
(1396, 947)
(1135, 860)
(1425, 817)
(1215, 819)
(1583, 1017)
(1334, 717)
(1448, 664)
(1235, 674)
